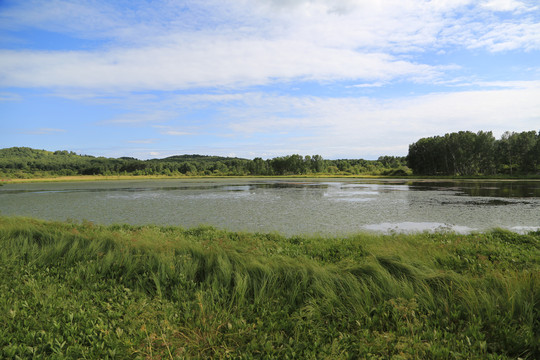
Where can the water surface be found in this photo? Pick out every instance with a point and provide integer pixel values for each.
(286, 206)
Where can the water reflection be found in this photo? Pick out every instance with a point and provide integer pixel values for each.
(516, 189)
(507, 189)
(93, 187)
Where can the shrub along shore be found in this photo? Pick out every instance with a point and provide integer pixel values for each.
(125, 292)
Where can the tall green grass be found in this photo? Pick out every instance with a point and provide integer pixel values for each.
(123, 292)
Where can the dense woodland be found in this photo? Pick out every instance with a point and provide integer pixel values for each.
(456, 154)
(22, 162)
(466, 153)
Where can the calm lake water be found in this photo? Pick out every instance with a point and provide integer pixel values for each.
(287, 206)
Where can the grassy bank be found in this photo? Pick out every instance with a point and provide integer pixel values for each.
(185, 177)
(308, 176)
(88, 178)
(124, 292)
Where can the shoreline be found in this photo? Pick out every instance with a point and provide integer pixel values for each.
(83, 178)
(438, 230)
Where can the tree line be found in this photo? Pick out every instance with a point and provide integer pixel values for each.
(467, 153)
(463, 153)
(21, 162)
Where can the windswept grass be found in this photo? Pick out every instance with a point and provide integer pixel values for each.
(124, 292)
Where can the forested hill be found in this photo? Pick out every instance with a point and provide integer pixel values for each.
(23, 162)
(197, 158)
(29, 153)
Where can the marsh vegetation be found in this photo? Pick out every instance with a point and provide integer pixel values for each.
(80, 290)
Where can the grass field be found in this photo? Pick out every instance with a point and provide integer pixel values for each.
(125, 292)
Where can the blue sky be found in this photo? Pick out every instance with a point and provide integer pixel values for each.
(250, 78)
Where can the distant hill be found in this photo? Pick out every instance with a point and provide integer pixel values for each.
(196, 157)
(29, 153)
(24, 162)
(26, 152)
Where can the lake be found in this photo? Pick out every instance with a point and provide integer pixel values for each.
(288, 206)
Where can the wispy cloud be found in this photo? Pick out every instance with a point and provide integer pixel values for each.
(6, 97)
(137, 119)
(175, 133)
(42, 131)
(143, 141)
(508, 6)
(369, 85)
(510, 36)
(169, 130)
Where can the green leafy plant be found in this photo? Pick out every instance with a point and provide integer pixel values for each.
(72, 290)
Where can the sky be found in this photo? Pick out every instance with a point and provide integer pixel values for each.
(264, 78)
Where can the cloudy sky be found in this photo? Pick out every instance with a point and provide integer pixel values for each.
(248, 78)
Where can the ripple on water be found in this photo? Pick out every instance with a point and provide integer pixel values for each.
(524, 229)
(412, 227)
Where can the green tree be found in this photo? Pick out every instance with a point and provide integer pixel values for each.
(516, 152)
(317, 164)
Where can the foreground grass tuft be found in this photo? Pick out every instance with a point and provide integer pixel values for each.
(127, 292)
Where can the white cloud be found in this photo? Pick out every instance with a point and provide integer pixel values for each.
(204, 64)
(349, 127)
(507, 5)
(43, 131)
(135, 119)
(169, 130)
(510, 36)
(225, 69)
(246, 43)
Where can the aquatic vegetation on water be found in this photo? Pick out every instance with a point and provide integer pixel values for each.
(87, 291)
(291, 207)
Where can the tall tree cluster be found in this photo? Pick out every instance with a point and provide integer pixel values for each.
(468, 153)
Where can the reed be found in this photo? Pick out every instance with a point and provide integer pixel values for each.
(87, 291)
